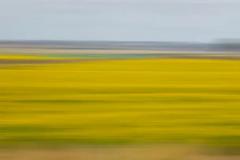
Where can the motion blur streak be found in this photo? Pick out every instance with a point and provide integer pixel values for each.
(118, 108)
(119, 80)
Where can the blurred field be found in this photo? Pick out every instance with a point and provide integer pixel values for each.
(138, 152)
(121, 102)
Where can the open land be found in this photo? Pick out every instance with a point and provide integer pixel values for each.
(118, 108)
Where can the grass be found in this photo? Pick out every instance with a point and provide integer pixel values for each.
(144, 101)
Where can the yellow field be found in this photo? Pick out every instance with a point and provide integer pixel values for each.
(148, 101)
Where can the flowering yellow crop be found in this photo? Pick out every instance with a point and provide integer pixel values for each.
(122, 101)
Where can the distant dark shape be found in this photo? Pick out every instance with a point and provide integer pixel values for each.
(229, 45)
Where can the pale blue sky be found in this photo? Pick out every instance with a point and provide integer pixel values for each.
(124, 20)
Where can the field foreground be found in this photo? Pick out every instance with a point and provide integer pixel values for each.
(114, 153)
(120, 102)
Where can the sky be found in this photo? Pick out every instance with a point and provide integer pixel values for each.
(120, 20)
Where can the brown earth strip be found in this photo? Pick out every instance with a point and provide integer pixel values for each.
(113, 153)
(177, 56)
